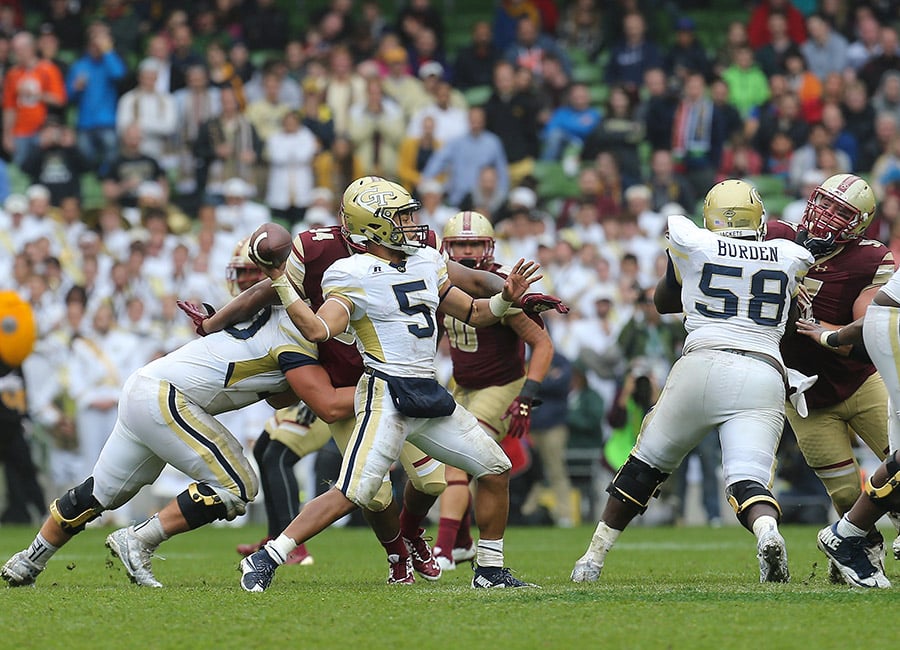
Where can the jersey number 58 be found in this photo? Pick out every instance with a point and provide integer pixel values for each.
(767, 294)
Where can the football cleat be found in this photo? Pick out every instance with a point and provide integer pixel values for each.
(895, 547)
(423, 560)
(587, 569)
(250, 549)
(772, 554)
(850, 557)
(19, 571)
(492, 577)
(875, 549)
(300, 556)
(135, 556)
(464, 553)
(400, 570)
(257, 571)
(445, 563)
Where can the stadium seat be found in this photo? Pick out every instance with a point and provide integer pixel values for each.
(768, 185)
(18, 180)
(553, 182)
(477, 95)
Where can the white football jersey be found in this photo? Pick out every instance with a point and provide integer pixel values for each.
(393, 315)
(240, 365)
(736, 293)
(892, 286)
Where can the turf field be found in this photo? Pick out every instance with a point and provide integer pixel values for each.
(688, 588)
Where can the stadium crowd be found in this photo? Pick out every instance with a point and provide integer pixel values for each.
(142, 140)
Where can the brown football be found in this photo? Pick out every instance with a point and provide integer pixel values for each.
(270, 245)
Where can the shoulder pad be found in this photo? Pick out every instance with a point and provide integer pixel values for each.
(432, 240)
(683, 233)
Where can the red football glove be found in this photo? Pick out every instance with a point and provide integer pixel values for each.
(519, 412)
(535, 303)
(196, 314)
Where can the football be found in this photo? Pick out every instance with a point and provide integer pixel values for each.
(270, 245)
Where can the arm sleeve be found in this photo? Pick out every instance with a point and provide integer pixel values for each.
(290, 359)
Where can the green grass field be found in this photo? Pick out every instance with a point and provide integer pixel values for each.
(688, 588)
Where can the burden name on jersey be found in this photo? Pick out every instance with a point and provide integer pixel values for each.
(745, 252)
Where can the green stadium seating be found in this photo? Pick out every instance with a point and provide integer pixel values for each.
(553, 182)
(767, 185)
(477, 95)
(18, 180)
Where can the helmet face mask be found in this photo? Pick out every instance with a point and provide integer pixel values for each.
(380, 211)
(733, 208)
(241, 273)
(471, 228)
(839, 210)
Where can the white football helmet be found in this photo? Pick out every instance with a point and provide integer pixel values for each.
(733, 208)
(370, 211)
(838, 211)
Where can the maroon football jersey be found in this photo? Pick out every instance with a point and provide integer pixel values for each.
(486, 356)
(312, 253)
(834, 283)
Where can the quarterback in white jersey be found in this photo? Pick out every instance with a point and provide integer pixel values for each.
(737, 293)
(845, 542)
(166, 417)
(388, 297)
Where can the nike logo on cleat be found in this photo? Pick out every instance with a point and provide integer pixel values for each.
(484, 582)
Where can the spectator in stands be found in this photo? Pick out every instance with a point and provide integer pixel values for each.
(316, 114)
(487, 197)
(825, 50)
(182, 56)
(657, 109)
(152, 110)
(758, 26)
(376, 129)
(338, 166)
(859, 116)
(239, 57)
(841, 138)
(123, 23)
(886, 170)
(345, 88)
(687, 53)
(158, 53)
(450, 121)
(434, 213)
(415, 152)
(720, 94)
(291, 151)
(807, 156)
(48, 48)
(129, 169)
(266, 114)
(581, 28)
(512, 115)
(56, 162)
(399, 84)
(92, 85)
(531, 48)
(475, 62)
(783, 117)
(266, 26)
(771, 56)
(585, 228)
(735, 37)
(739, 159)
(747, 84)
(887, 60)
(226, 146)
(423, 13)
(667, 187)
(887, 97)
(196, 104)
(289, 91)
(29, 89)
(238, 214)
(698, 134)
(222, 73)
(65, 20)
(425, 50)
(780, 152)
(570, 125)
(552, 89)
(619, 132)
(506, 20)
(632, 55)
(866, 45)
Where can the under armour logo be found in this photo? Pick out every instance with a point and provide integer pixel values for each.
(820, 268)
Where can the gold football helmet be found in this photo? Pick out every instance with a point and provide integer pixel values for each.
(18, 330)
(839, 210)
(471, 227)
(733, 208)
(370, 211)
(241, 273)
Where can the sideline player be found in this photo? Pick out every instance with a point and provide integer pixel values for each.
(849, 396)
(737, 293)
(166, 415)
(489, 377)
(388, 296)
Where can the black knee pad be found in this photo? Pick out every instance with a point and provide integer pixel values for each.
(76, 508)
(743, 494)
(887, 496)
(201, 505)
(636, 483)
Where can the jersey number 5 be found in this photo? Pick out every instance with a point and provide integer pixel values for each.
(402, 292)
(762, 294)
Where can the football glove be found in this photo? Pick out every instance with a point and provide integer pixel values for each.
(196, 314)
(818, 246)
(535, 303)
(519, 412)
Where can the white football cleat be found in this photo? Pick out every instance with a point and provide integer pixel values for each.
(19, 571)
(849, 555)
(446, 564)
(135, 556)
(895, 547)
(464, 554)
(772, 555)
(587, 569)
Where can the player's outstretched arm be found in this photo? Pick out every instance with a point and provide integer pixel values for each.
(240, 308)
(536, 338)
(483, 312)
(313, 386)
(332, 318)
(830, 338)
(477, 283)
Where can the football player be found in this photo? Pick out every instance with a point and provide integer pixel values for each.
(489, 376)
(846, 542)
(388, 297)
(313, 252)
(737, 293)
(849, 396)
(166, 415)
